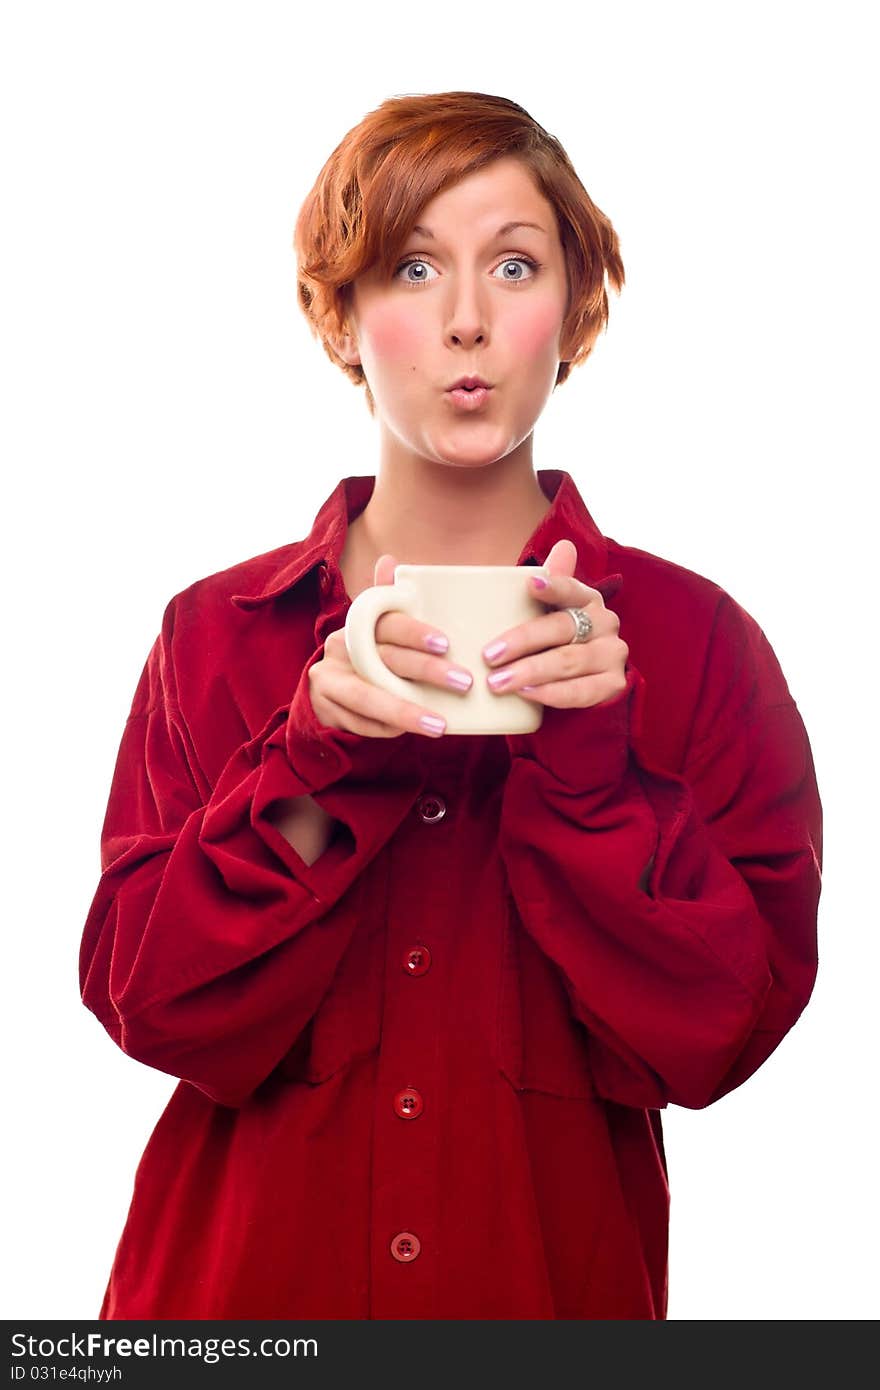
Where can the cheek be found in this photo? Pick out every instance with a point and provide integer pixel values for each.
(395, 335)
(536, 332)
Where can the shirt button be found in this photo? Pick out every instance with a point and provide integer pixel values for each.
(431, 808)
(408, 1104)
(416, 960)
(405, 1246)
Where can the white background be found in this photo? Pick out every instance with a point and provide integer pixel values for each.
(168, 415)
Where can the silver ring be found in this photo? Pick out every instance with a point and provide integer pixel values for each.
(583, 624)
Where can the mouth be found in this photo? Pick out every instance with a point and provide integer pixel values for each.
(469, 392)
(470, 383)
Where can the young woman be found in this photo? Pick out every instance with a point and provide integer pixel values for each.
(426, 994)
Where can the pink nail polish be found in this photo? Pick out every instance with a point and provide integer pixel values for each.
(494, 650)
(460, 680)
(539, 581)
(500, 679)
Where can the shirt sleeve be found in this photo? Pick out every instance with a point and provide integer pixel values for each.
(680, 909)
(210, 943)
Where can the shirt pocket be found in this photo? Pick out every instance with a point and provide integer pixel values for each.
(347, 1024)
(541, 1046)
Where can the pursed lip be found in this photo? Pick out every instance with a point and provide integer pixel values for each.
(469, 383)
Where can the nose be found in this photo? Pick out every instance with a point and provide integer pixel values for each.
(466, 322)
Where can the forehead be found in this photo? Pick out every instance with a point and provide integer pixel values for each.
(503, 190)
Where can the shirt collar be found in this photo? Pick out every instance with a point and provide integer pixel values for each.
(567, 517)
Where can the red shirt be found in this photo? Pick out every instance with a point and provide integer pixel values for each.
(422, 1077)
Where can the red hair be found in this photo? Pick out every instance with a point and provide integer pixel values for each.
(373, 187)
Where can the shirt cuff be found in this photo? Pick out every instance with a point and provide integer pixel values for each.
(366, 783)
(321, 755)
(585, 748)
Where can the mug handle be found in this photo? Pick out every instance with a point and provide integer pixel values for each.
(360, 635)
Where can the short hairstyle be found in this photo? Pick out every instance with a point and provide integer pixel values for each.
(371, 190)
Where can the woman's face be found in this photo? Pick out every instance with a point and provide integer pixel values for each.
(466, 301)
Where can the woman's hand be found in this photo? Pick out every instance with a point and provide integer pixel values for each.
(342, 699)
(540, 658)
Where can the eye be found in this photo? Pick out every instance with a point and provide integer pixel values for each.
(520, 261)
(423, 266)
(422, 278)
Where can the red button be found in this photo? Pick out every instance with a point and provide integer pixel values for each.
(405, 1246)
(416, 960)
(408, 1103)
(432, 808)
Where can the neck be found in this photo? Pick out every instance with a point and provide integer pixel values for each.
(430, 513)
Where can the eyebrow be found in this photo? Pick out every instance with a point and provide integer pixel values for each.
(502, 231)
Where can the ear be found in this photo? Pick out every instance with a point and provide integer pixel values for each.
(346, 347)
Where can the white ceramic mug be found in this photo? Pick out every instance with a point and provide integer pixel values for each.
(471, 604)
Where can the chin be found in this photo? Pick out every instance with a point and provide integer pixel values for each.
(464, 452)
(472, 462)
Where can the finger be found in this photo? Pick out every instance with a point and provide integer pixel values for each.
(564, 589)
(402, 657)
(549, 632)
(395, 627)
(400, 627)
(406, 631)
(562, 557)
(563, 663)
(383, 570)
(582, 693)
(420, 666)
(337, 716)
(362, 700)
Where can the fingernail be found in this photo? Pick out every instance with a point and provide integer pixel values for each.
(494, 650)
(462, 680)
(499, 679)
(539, 581)
(437, 642)
(432, 725)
